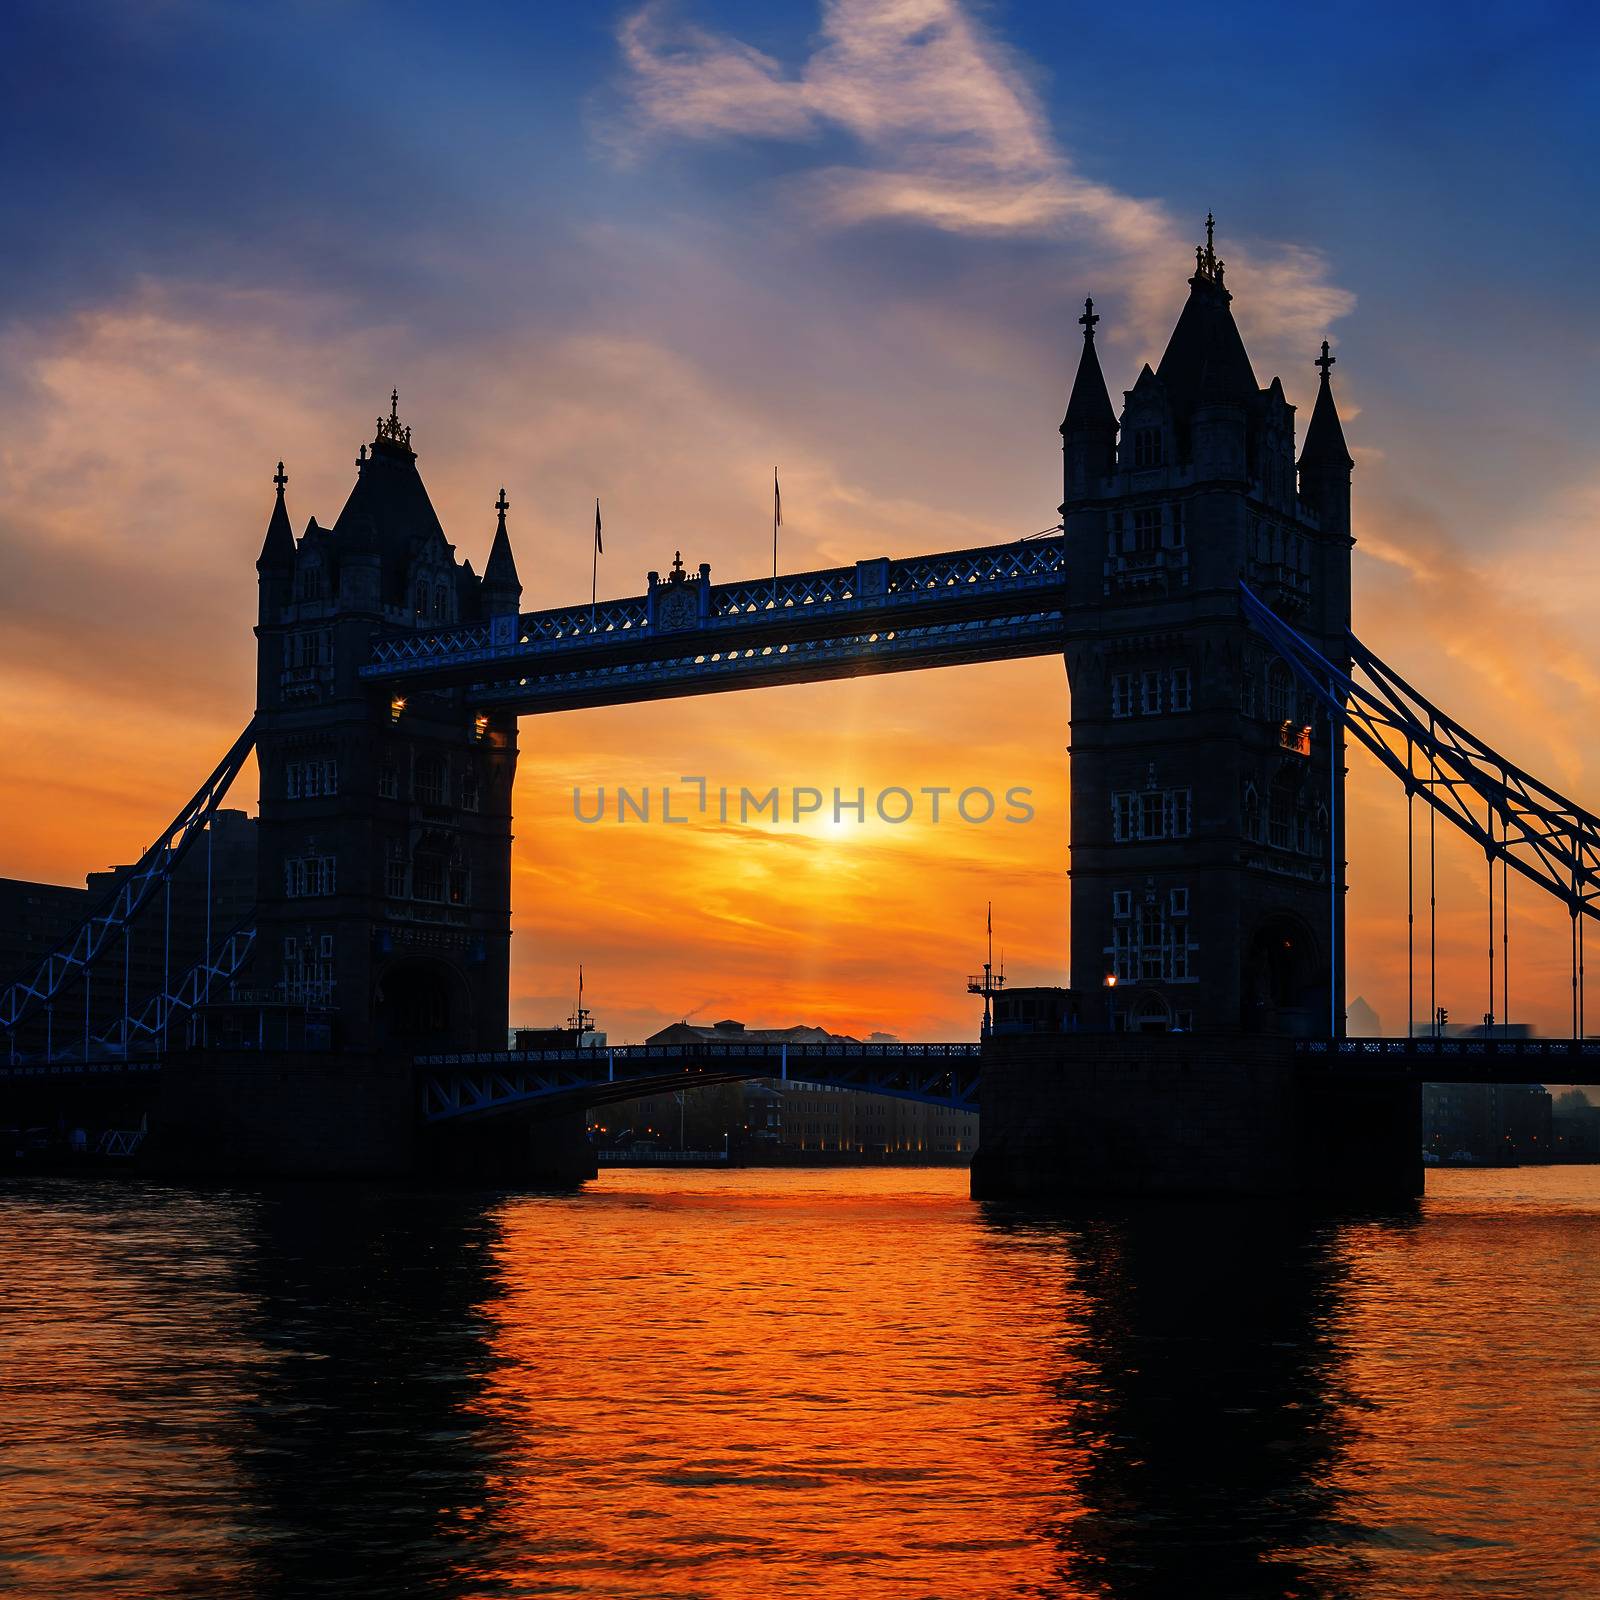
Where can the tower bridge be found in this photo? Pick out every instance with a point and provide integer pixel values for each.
(1197, 589)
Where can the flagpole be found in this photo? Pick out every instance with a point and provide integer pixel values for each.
(777, 522)
(594, 570)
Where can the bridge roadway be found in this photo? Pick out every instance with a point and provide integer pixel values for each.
(689, 636)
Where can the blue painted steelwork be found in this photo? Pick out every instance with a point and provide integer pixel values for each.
(1513, 817)
(147, 1027)
(77, 955)
(453, 1087)
(689, 636)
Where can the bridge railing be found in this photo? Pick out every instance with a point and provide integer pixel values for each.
(773, 1052)
(1022, 565)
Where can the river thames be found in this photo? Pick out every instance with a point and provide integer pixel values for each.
(851, 1383)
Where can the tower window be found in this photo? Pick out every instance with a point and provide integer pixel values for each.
(1150, 693)
(1147, 530)
(1280, 693)
(388, 780)
(427, 877)
(1146, 447)
(1122, 694)
(1178, 689)
(307, 876)
(469, 790)
(431, 781)
(394, 870)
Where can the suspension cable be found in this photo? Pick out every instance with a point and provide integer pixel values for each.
(1505, 943)
(1488, 857)
(1411, 905)
(1433, 892)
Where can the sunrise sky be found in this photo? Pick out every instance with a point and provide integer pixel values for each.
(648, 253)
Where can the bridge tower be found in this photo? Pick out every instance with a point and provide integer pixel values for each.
(1207, 798)
(384, 857)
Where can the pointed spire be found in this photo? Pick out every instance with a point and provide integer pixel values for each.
(277, 549)
(1325, 446)
(1205, 362)
(1089, 409)
(500, 580)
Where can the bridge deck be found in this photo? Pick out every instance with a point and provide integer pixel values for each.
(992, 603)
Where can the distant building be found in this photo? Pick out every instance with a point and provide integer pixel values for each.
(1575, 1127)
(791, 1113)
(1490, 1123)
(1361, 1021)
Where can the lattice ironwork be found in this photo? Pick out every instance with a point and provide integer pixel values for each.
(135, 888)
(154, 1019)
(873, 587)
(1513, 817)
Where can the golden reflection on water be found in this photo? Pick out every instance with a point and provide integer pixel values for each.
(831, 1384)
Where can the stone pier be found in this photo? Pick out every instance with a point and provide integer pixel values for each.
(1146, 1115)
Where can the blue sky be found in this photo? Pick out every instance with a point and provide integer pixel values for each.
(647, 252)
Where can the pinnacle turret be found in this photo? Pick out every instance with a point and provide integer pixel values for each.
(277, 549)
(1325, 446)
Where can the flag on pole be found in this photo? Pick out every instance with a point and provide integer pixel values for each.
(594, 567)
(777, 522)
(599, 548)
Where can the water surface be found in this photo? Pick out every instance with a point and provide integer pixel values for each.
(848, 1383)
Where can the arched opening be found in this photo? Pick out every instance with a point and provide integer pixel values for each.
(1149, 1013)
(1285, 984)
(420, 1002)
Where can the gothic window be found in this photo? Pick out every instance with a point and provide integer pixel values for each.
(431, 781)
(1179, 803)
(1178, 689)
(308, 876)
(308, 581)
(428, 875)
(1149, 693)
(1150, 930)
(308, 780)
(1147, 530)
(1124, 818)
(1152, 814)
(1247, 693)
(422, 598)
(1252, 813)
(439, 602)
(1122, 695)
(388, 780)
(394, 870)
(459, 880)
(308, 647)
(1281, 820)
(1280, 693)
(1177, 535)
(469, 790)
(1146, 448)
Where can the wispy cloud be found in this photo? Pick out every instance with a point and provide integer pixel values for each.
(951, 135)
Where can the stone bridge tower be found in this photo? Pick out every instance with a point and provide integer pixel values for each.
(384, 860)
(1207, 795)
